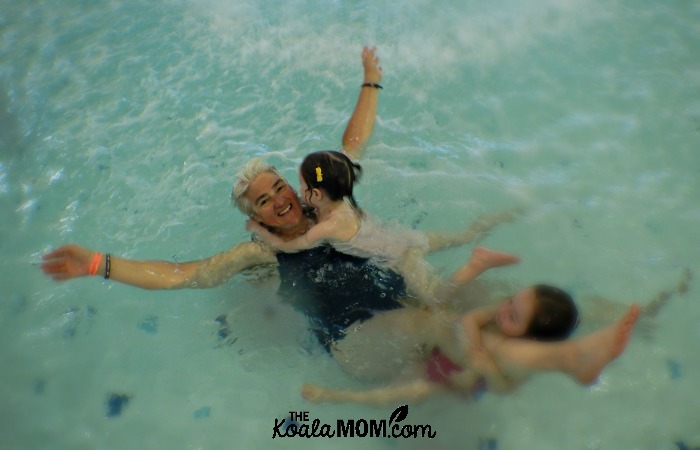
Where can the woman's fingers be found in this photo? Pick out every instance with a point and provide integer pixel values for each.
(53, 266)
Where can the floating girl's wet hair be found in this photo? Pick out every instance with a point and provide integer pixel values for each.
(556, 315)
(333, 172)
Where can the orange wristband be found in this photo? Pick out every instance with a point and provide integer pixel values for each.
(95, 264)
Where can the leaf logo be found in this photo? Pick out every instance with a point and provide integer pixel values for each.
(399, 414)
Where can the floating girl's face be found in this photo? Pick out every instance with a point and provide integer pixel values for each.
(516, 313)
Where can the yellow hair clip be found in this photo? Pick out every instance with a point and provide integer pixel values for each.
(319, 174)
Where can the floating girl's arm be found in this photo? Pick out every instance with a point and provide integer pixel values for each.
(474, 321)
(290, 246)
(484, 365)
(479, 358)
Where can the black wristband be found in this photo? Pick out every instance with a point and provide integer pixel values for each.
(108, 266)
(372, 85)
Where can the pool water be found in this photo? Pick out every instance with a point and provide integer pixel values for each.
(123, 122)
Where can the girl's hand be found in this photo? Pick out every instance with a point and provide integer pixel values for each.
(254, 227)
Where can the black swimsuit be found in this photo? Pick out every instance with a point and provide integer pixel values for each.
(335, 290)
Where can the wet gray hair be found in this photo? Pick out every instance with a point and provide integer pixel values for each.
(250, 171)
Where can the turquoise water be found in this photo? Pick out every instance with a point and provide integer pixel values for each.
(122, 124)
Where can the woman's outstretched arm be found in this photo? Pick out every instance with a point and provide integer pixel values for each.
(361, 122)
(73, 261)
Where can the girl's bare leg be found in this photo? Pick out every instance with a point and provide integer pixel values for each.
(481, 260)
(422, 280)
(582, 359)
(480, 228)
(431, 289)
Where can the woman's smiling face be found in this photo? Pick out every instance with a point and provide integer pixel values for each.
(275, 203)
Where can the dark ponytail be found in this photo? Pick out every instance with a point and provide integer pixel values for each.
(333, 172)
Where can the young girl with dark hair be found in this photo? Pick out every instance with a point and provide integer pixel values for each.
(450, 356)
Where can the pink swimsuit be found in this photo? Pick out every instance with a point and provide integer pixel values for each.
(440, 367)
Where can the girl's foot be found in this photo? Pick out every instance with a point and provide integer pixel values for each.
(597, 350)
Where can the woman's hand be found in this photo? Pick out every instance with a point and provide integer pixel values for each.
(66, 262)
(253, 226)
(370, 64)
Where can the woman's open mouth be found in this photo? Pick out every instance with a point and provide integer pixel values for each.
(285, 210)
